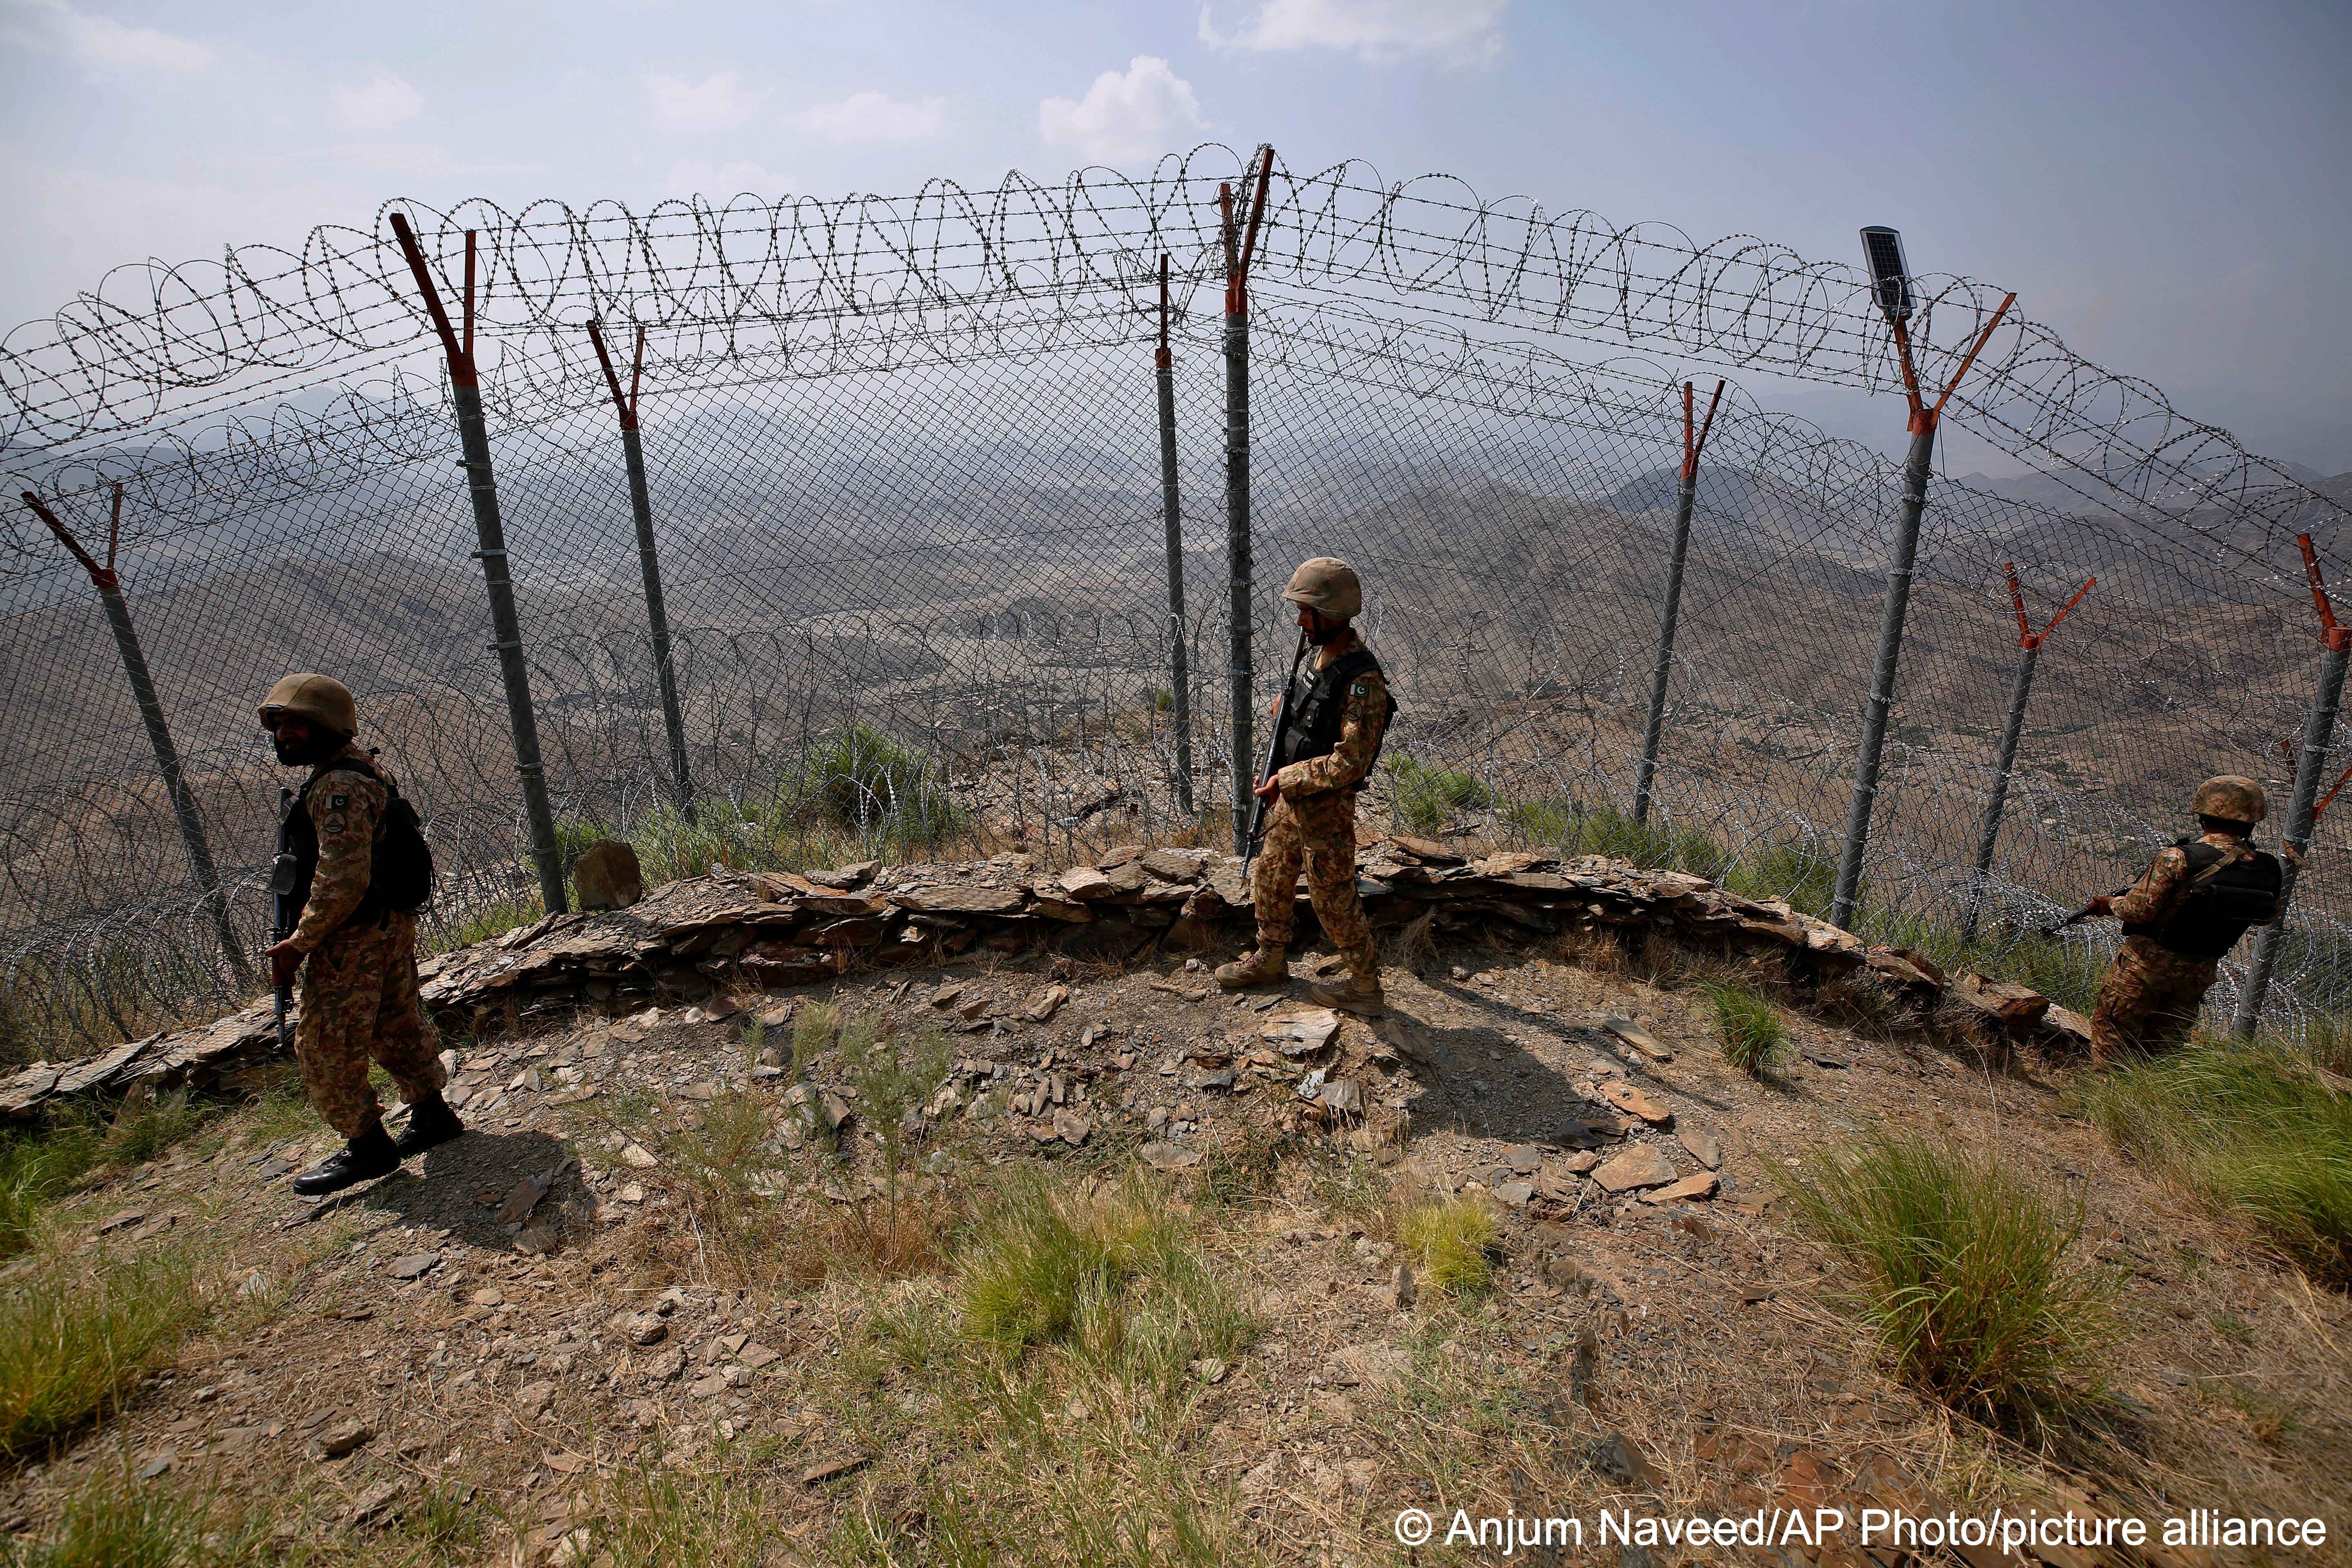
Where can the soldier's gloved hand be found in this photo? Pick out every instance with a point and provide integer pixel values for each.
(2105, 904)
(284, 958)
(1270, 790)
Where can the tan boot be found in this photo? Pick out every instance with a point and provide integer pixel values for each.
(1262, 965)
(1360, 992)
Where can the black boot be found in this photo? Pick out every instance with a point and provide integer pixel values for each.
(431, 1123)
(364, 1158)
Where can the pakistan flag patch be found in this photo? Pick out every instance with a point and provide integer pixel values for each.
(1362, 689)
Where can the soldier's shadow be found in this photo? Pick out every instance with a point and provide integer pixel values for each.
(1489, 1085)
(460, 1187)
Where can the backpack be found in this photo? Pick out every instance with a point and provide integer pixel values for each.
(400, 871)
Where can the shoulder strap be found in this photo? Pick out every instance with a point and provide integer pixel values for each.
(1351, 666)
(2222, 860)
(360, 765)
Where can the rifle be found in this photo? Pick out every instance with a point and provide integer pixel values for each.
(282, 872)
(1273, 748)
(2082, 914)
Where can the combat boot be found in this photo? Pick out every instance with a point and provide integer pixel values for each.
(1360, 992)
(431, 1123)
(364, 1158)
(1262, 965)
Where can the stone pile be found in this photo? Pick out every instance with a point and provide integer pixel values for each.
(732, 932)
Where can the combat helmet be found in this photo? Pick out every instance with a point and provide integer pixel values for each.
(321, 698)
(2232, 798)
(1326, 584)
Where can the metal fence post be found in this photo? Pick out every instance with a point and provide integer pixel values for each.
(2021, 691)
(1686, 498)
(1237, 491)
(1181, 692)
(481, 487)
(1915, 469)
(2302, 819)
(159, 732)
(649, 563)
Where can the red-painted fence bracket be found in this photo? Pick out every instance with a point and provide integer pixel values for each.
(2334, 638)
(1693, 444)
(103, 576)
(2027, 638)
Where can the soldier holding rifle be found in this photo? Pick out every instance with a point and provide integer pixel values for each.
(2186, 911)
(1327, 739)
(354, 870)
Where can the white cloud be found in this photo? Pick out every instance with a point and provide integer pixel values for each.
(1126, 118)
(1375, 30)
(379, 105)
(689, 178)
(717, 103)
(99, 45)
(873, 117)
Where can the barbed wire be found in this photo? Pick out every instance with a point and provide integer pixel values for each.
(904, 467)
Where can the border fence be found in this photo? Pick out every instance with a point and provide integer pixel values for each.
(888, 537)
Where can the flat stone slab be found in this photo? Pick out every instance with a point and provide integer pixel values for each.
(1637, 1101)
(1638, 1167)
(1691, 1189)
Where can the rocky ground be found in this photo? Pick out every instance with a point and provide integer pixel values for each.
(685, 1273)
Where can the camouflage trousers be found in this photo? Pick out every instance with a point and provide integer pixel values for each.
(2147, 1000)
(1320, 831)
(359, 1004)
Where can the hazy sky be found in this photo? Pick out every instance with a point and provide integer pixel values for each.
(2163, 182)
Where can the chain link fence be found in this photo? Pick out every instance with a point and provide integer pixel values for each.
(904, 465)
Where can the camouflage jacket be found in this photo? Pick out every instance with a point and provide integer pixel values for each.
(1364, 714)
(347, 808)
(2156, 898)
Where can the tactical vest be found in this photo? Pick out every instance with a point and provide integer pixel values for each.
(2220, 904)
(1318, 712)
(400, 869)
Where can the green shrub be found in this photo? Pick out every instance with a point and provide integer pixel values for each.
(1450, 1242)
(35, 1167)
(859, 778)
(1967, 1275)
(2253, 1130)
(491, 919)
(1748, 1024)
(1571, 828)
(1802, 873)
(1423, 797)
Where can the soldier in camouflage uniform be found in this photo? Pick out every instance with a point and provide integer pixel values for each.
(1338, 716)
(358, 983)
(2187, 908)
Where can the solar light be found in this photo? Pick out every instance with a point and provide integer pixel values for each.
(1890, 276)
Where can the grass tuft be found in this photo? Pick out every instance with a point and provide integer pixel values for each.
(1748, 1024)
(1969, 1278)
(71, 1345)
(1450, 1242)
(2259, 1132)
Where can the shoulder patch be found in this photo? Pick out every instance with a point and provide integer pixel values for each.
(1362, 689)
(338, 802)
(335, 822)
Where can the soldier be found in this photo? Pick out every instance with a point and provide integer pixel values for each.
(2187, 908)
(1339, 714)
(359, 991)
